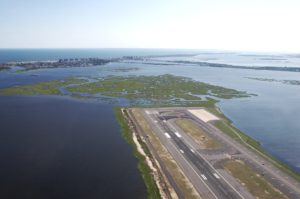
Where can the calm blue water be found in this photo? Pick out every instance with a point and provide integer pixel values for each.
(10, 55)
(244, 58)
(57, 147)
(272, 117)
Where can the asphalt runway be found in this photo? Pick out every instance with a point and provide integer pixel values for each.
(208, 180)
(207, 176)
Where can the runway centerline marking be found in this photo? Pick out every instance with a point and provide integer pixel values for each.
(216, 175)
(187, 143)
(204, 177)
(178, 135)
(194, 170)
(167, 135)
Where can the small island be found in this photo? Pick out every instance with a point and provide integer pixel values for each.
(289, 82)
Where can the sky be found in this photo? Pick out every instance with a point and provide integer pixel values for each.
(243, 25)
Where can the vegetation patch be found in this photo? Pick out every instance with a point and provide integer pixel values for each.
(163, 90)
(152, 189)
(43, 88)
(226, 127)
(198, 134)
(289, 82)
(126, 69)
(236, 134)
(163, 87)
(253, 182)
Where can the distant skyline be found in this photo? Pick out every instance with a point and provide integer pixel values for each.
(243, 25)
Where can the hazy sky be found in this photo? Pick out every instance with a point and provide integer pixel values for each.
(255, 25)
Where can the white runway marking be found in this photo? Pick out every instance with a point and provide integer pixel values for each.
(167, 135)
(216, 175)
(181, 151)
(204, 177)
(192, 151)
(178, 135)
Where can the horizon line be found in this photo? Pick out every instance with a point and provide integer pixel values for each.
(149, 48)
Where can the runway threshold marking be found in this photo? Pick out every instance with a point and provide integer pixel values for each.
(204, 177)
(178, 135)
(167, 135)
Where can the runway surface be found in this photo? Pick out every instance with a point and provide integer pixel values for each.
(202, 167)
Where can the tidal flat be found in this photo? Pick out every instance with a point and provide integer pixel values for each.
(154, 90)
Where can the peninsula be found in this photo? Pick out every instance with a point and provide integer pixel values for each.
(60, 63)
(152, 60)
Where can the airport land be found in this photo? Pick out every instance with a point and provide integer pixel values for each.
(224, 169)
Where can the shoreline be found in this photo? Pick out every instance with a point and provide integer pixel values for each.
(95, 61)
(142, 156)
(255, 146)
(251, 144)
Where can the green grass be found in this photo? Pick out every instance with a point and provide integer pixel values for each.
(253, 182)
(152, 189)
(197, 133)
(163, 90)
(226, 127)
(43, 88)
(163, 87)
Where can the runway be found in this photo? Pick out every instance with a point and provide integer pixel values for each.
(205, 178)
(201, 166)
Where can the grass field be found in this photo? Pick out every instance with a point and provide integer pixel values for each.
(43, 88)
(162, 90)
(253, 182)
(226, 127)
(163, 87)
(198, 134)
